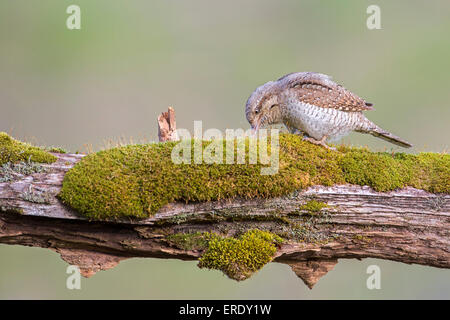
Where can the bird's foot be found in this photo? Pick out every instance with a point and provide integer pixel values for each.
(320, 142)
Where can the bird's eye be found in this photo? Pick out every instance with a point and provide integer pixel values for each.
(256, 111)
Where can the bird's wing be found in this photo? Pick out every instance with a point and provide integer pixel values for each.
(319, 90)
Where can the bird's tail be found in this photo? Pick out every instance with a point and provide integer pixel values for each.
(380, 133)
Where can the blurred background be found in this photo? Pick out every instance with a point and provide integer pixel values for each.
(80, 89)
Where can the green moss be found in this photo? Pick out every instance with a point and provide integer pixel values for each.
(385, 171)
(361, 238)
(189, 241)
(56, 150)
(136, 180)
(240, 257)
(313, 207)
(12, 151)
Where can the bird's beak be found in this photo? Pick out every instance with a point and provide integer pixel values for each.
(255, 128)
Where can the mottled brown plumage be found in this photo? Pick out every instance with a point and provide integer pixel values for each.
(319, 90)
(313, 104)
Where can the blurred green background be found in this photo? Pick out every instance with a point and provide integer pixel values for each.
(132, 59)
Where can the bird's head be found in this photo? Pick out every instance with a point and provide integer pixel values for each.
(263, 107)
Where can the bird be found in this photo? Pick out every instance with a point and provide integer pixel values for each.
(312, 105)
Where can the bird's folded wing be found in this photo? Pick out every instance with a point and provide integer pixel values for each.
(319, 90)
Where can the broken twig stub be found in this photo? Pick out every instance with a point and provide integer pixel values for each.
(167, 126)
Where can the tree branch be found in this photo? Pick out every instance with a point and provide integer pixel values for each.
(407, 225)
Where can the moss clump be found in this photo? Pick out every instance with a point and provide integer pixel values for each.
(136, 180)
(12, 151)
(313, 207)
(240, 257)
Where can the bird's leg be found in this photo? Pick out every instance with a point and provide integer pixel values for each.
(320, 142)
(306, 137)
